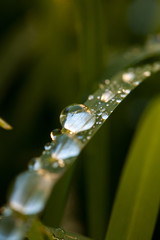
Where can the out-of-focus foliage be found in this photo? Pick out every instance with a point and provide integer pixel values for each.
(51, 53)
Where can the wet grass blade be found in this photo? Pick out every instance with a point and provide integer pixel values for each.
(137, 203)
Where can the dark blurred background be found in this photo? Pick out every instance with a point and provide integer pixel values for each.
(53, 53)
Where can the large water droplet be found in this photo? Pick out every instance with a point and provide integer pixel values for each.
(31, 191)
(65, 148)
(77, 118)
(107, 95)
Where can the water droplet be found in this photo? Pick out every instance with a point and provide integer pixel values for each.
(156, 67)
(65, 148)
(107, 95)
(136, 83)
(126, 91)
(99, 113)
(101, 85)
(55, 164)
(147, 73)
(98, 97)
(107, 81)
(128, 77)
(123, 95)
(77, 118)
(35, 164)
(31, 191)
(104, 116)
(118, 100)
(56, 132)
(47, 146)
(88, 137)
(12, 228)
(90, 97)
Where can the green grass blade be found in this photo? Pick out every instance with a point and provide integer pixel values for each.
(137, 202)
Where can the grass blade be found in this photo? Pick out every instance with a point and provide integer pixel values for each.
(137, 202)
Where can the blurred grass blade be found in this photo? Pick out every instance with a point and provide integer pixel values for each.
(5, 125)
(137, 203)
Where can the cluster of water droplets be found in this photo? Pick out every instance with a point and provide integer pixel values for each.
(79, 122)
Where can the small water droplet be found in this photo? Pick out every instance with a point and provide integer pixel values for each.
(90, 97)
(104, 116)
(77, 118)
(107, 95)
(107, 81)
(88, 137)
(56, 132)
(123, 95)
(34, 164)
(98, 97)
(55, 164)
(99, 113)
(128, 77)
(126, 91)
(156, 67)
(136, 83)
(147, 73)
(47, 146)
(118, 100)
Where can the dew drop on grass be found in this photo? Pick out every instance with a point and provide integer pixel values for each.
(47, 146)
(34, 164)
(147, 73)
(104, 116)
(107, 81)
(65, 148)
(56, 132)
(90, 97)
(28, 198)
(12, 228)
(77, 118)
(128, 77)
(107, 95)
